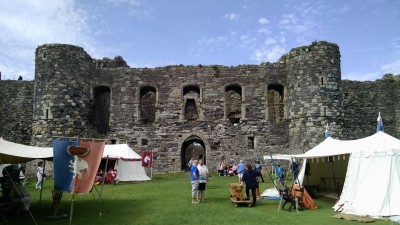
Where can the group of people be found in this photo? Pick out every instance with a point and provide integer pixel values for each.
(227, 170)
(108, 177)
(198, 179)
(199, 176)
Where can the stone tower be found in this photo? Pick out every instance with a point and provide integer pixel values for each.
(62, 92)
(314, 99)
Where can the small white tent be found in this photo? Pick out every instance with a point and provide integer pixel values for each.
(372, 181)
(128, 162)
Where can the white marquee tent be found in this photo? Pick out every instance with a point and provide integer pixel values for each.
(372, 180)
(128, 162)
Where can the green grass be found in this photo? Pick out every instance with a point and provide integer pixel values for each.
(167, 200)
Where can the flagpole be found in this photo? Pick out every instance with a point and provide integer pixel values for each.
(151, 167)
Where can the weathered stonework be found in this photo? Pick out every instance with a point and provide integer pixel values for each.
(16, 101)
(216, 112)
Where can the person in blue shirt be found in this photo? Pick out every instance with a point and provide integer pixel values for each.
(240, 170)
(194, 180)
(279, 171)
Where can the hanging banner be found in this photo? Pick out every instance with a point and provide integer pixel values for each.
(87, 160)
(147, 158)
(63, 162)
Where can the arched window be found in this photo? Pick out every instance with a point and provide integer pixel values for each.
(148, 98)
(233, 103)
(191, 102)
(101, 109)
(275, 103)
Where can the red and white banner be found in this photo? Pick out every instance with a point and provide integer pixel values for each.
(147, 158)
(86, 166)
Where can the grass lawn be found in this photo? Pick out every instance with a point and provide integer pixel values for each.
(167, 200)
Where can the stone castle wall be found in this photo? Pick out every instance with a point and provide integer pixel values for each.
(16, 110)
(216, 112)
(362, 101)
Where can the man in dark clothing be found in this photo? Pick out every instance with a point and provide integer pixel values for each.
(250, 179)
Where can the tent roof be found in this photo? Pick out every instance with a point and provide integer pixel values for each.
(279, 156)
(17, 153)
(11, 152)
(120, 151)
(378, 142)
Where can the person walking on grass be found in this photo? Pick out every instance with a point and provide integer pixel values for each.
(203, 171)
(240, 170)
(39, 174)
(250, 179)
(194, 180)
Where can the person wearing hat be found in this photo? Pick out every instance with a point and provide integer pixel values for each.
(240, 170)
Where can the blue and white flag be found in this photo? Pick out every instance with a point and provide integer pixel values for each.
(63, 174)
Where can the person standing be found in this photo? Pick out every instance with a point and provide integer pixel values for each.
(258, 169)
(240, 170)
(194, 180)
(250, 179)
(203, 171)
(39, 174)
(20, 199)
(280, 173)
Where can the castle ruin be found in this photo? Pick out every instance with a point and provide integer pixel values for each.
(214, 112)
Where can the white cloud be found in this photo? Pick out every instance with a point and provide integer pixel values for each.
(27, 24)
(288, 19)
(270, 41)
(263, 21)
(393, 67)
(246, 39)
(265, 54)
(344, 8)
(264, 31)
(231, 16)
(362, 76)
(133, 3)
(211, 41)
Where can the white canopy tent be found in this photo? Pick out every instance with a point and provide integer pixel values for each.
(128, 162)
(17, 153)
(372, 178)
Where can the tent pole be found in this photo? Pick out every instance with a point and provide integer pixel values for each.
(280, 201)
(102, 182)
(72, 209)
(334, 178)
(273, 162)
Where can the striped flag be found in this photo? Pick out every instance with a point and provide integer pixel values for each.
(63, 163)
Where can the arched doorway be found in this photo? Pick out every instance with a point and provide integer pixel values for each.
(192, 147)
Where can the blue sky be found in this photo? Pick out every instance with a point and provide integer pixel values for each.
(152, 33)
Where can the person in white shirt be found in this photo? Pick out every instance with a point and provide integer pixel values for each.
(203, 170)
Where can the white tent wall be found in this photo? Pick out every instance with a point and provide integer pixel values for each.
(372, 185)
(128, 162)
(322, 171)
(130, 171)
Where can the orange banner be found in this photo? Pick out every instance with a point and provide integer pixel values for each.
(86, 166)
